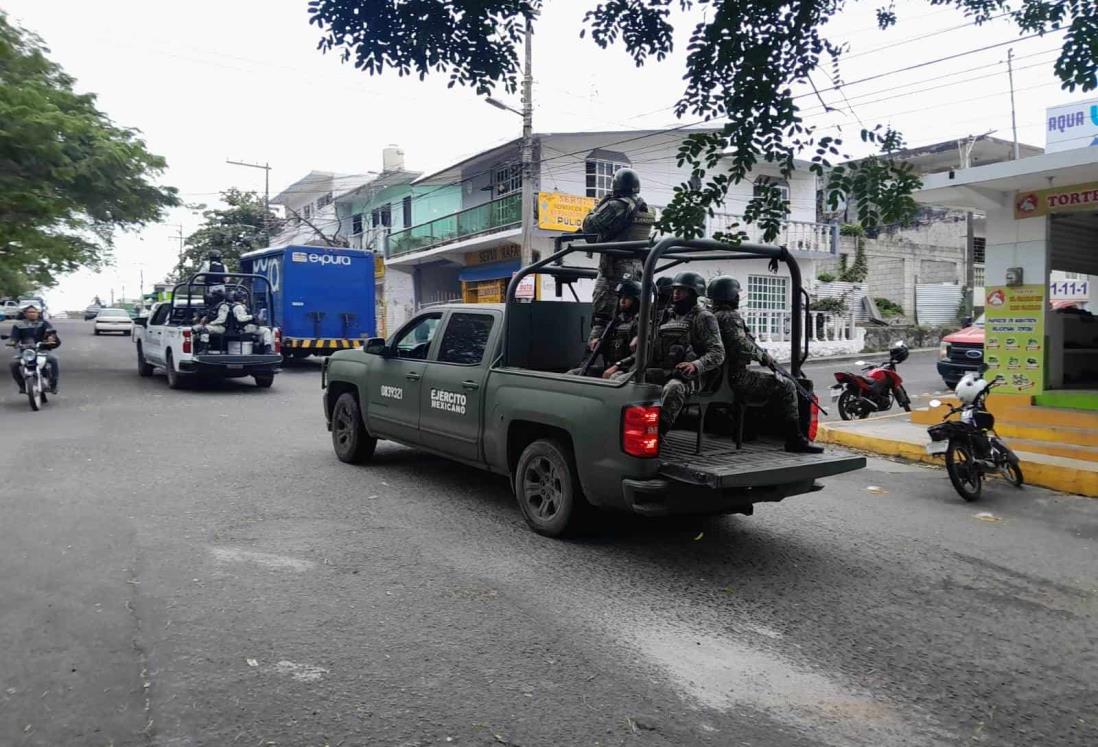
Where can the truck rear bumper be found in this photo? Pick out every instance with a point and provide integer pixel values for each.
(231, 366)
(667, 497)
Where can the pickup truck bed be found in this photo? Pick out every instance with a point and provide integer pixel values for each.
(721, 465)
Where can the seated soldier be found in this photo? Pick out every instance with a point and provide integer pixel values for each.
(613, 346)
(741, 349)
(240, 314)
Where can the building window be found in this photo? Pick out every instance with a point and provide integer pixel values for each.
(307, 211)
(508, 179)
(406, 205)
(600, 176)
(356, 224)
(767, 294)
(323, 201)
(762, 182)
(979, 249)
(381, 216)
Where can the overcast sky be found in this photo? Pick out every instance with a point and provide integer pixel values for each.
(209, 80)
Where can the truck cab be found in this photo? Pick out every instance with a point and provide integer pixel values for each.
(491, 386)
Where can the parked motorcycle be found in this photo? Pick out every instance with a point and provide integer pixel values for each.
(859, 395)
(970, 445)
(34, 366)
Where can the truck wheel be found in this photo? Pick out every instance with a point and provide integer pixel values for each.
(96, 332)
(350, 440)
(144, 368)
(175, 381)
(548, 489)
(264, 381)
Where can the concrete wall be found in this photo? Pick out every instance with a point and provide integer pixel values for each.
(399, 298)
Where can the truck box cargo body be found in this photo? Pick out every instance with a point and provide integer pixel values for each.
(323, 296)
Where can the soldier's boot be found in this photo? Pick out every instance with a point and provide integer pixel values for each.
(799, 444)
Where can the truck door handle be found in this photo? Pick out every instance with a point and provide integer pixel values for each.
(412, 376)
(470, 385)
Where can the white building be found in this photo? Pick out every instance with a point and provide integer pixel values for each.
(309, 205)
(471, 249)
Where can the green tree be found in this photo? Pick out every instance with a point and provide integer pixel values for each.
(744, 59)
(69, 177)
(234, 230)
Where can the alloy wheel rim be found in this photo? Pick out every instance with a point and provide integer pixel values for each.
(343, 426)
(543, 488)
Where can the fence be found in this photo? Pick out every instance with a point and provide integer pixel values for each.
(823, 326)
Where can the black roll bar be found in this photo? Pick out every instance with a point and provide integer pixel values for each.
(681, 250)
(230, 279)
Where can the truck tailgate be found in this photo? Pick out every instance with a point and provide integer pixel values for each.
(758, 463)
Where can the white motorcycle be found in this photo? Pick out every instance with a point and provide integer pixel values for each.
(35, 367)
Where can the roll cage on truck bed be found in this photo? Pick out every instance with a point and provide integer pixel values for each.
(495, 394)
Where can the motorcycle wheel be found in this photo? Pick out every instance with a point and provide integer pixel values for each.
(34, 393)
(963, 470)
(847, 407)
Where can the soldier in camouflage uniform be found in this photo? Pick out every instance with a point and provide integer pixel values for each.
(622, 215)
(687, 347)
(620, 333)
(741, 349)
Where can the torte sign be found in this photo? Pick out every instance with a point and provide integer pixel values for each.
(1031, 204)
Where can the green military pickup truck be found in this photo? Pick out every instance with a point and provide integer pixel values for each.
(486, 385)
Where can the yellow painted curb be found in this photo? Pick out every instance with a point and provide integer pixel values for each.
(1053, 476)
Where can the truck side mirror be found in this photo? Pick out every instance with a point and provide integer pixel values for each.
(141, 321)
(376, 346)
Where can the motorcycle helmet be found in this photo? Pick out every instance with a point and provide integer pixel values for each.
(970, 387)
(898, 352)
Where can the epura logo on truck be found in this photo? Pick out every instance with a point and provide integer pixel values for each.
(324, 259)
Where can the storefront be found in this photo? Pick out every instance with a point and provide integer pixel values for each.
(1042, 226)
(487, 272)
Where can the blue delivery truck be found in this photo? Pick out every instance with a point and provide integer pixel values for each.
(323, 296)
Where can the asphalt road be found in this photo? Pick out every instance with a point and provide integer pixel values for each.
(196, 568)
(919, 372)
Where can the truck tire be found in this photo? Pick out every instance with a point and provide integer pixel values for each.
(548, 491)
(350, 440)
(144, 368)
(264, 381)
(175, 381)
(95, 332)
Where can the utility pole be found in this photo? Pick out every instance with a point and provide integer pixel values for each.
(528, 149)
(179, 235)
(266, 193)
(1013, 116)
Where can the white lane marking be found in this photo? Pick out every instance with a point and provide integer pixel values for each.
(270, 560)
(300, 672)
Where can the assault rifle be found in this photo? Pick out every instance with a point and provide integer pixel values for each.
(774, 366)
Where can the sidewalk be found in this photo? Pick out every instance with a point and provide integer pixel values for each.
(813, 360)
(897, 436)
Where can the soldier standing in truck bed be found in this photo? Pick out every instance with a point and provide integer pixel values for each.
(622, 215)
(741, 349)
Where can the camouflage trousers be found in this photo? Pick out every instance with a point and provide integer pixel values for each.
(776, 390)
(604, 301)
(675, 393)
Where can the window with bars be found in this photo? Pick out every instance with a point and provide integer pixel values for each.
(768, 293)
(979, 249)
(356, 224)
(508, 179)
(600, 176)
(324, 200)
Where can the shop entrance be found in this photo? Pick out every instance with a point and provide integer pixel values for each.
(1071, 326)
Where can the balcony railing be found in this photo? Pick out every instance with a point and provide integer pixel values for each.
(497, 215)
(776, 326)
(802, 236)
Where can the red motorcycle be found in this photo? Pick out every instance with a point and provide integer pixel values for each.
(858, 395)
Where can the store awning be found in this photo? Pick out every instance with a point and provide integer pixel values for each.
(494, 271)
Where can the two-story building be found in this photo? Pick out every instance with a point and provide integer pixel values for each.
(471, 251)
(309, 205)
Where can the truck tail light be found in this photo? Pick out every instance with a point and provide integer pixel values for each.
(640, 431)
(813, 421)
(186, 341)
(277, 340)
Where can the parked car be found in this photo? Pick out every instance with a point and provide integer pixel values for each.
(961, 352)
(113, 320)
(11, 308)
(91, 312)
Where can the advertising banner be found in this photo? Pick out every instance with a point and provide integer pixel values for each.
(1079, 197)
(1071, 126)
(558, 211)
(1014, 342)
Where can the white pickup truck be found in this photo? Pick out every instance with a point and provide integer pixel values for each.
(167, 339)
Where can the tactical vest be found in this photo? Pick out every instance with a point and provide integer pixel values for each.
(640, 223)
(738, 356)
(617, 345)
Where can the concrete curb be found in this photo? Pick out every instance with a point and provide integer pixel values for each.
(855, 356)
(1036, 471)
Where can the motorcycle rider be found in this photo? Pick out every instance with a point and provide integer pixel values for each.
(621, 215)
(687, 347)
(28, 332)
(622, 329)
(741, 349)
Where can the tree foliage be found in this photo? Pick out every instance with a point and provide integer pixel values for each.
(234, 230)
(743, 61)
(69, 177)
